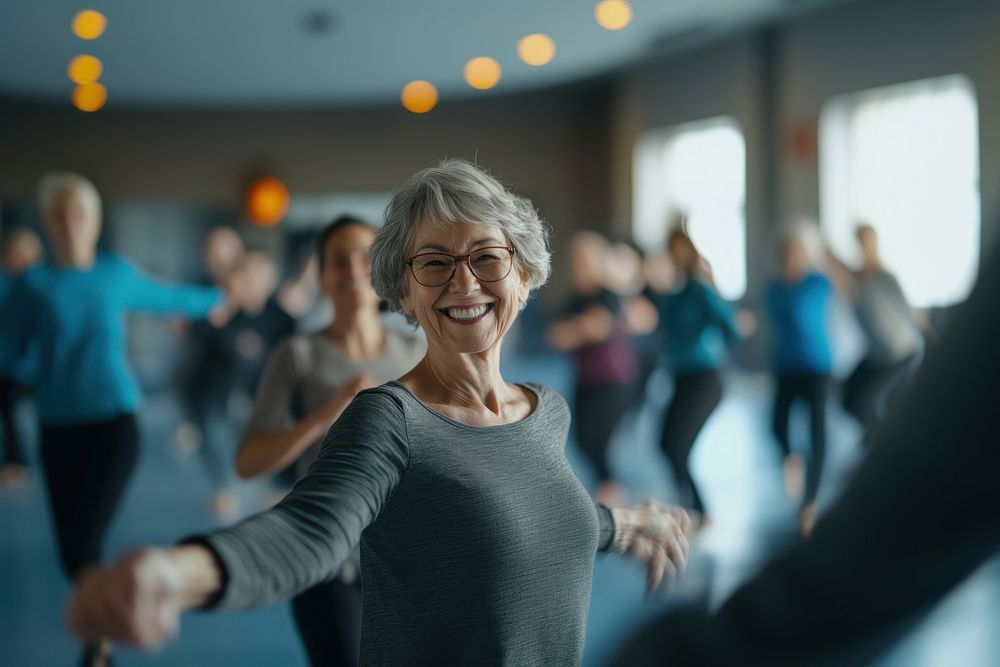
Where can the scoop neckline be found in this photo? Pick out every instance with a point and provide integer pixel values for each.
(473, 427)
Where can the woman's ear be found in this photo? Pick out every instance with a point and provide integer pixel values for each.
(406, 304)
(523, 289)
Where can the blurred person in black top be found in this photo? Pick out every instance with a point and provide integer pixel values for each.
(21, 249)
(224, 367)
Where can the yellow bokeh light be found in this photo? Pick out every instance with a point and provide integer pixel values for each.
(536, 50)
(85, 69)
(419, 96)
(613, 14)
(89, 24)
(90, 97)
(482, 73)
(267, 201)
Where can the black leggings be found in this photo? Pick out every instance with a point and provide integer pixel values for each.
(696, 395)
(872, 388)
(813, 389)
(597, 410)
(86, 467)
(328, 617)
(12, 393)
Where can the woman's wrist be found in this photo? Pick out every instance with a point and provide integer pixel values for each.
(196, 571)
(624, 529)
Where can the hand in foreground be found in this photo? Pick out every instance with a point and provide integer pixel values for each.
(138, 600)
(655, 534)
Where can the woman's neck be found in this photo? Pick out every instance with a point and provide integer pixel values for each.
(467, 382)
(358, 332)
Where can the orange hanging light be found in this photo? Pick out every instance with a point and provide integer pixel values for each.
(267, 201)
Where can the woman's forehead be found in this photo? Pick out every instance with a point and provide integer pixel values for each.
(349, 236)
(449, 235)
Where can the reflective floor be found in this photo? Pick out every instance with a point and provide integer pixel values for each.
(735, 462)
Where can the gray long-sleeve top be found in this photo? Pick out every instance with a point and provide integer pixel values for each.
(477, 543)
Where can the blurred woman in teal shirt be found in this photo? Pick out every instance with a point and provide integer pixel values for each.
(697, 326)
(72, 308)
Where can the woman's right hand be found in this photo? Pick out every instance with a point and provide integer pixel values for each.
(138, 600)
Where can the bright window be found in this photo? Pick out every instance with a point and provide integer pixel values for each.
(905, 159)
(697, 170)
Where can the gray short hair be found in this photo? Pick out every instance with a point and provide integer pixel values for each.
(56, 183)
(456, 191)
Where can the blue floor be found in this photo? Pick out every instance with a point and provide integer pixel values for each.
(735, 461)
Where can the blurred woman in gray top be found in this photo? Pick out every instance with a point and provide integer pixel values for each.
(312, 378)
(892, 335)
(477, 540)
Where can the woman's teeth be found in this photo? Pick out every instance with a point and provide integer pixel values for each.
(469, 313)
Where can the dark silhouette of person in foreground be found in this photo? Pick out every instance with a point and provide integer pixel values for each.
(919, 516)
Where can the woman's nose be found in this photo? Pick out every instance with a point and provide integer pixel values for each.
(464, 279)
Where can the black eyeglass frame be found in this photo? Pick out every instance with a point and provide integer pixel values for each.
(467, 258)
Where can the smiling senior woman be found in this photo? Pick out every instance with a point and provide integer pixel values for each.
(477, 540)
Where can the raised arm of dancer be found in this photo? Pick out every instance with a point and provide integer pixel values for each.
(594, 325)
(145, 293)
(640, 315)
(721, 313)
(840, 274)
(267, 558)
(296, 294)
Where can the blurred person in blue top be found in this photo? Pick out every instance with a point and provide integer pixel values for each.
(73, 308)
(799, 302)
(697, 327)
(21, 249)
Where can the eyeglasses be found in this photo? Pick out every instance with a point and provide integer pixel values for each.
(489, 265)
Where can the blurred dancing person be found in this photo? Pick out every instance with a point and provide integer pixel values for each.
(229, 363)
(696, 327)
(595, 332)
(73, 308)
(893, 336)
(21, 249)
(798, 303)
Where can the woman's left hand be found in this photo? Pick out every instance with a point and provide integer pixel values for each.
(656, 534)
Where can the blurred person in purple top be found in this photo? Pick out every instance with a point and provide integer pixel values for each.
(595, 331)
(73, 309)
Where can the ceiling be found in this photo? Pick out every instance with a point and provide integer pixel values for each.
(205, 53)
